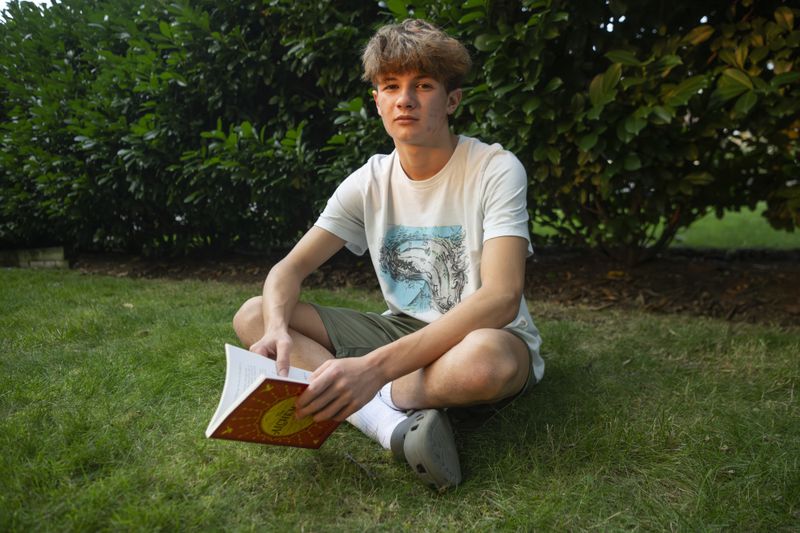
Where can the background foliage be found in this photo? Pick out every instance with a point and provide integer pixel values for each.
(162, 127)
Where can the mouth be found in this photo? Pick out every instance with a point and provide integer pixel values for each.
(405, 119)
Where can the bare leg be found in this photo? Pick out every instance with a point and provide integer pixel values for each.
(486, 366)
(312, 346)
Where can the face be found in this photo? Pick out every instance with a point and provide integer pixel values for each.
(415, 108)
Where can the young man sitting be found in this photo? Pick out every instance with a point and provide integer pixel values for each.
(445, 220)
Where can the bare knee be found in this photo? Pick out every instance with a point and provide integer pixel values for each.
(495, 371)
(248, 322)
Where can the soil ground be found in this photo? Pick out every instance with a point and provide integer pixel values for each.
(744, 286)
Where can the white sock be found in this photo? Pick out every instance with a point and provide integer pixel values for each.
(378, 418)
(385, 395)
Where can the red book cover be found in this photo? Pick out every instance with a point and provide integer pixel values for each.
(257, 405)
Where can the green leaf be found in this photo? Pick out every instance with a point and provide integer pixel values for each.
(623, 134)
(699, 35)
(758, 53)
(730, 86)
(611, 77)
(727, 56)
(472, 15)
(502, 91)
(786, 77)
(628, 82)
(632, 162)
(699, 178)
(553, 155)
(738, 77)
(623, 56)
(551, 32)
(784, 16)
(469, 4)
(337, 140)
(531, 105)
(680, 94)
(193, 198)
(668, 62)
(745, 103)
(634, 124)
(665, 114)
(577, 103)
(587, 142)
(598, 94)
(486, 42)
(398, 8)
(547, 152)
(232, 141)
(247, 129)
(553, 85)
(355, 105)
(213, 134)
(740, 55)
(564, 126)
(165, 29)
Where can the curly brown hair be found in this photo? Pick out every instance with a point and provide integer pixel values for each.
(416, 45)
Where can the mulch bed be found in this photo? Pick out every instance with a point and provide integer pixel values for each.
(746, 286)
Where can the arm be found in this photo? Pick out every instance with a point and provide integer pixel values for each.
(341, 387)
(282, 291)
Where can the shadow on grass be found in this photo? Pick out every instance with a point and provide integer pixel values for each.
(536, 425)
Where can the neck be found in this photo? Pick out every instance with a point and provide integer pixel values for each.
(424, 162)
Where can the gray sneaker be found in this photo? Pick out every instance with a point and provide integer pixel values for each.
(425, 440)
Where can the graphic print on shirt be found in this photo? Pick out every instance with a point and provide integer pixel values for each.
(424, 268)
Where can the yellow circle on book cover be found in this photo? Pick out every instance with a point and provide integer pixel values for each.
(279, 421)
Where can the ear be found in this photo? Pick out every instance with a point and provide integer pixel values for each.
(453, 99)
(374, 93)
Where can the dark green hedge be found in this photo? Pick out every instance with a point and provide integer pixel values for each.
(163, 127)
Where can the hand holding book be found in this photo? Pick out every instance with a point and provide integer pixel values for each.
(258, 405)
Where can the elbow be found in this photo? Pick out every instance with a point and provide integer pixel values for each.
(507, 306)
(512, 310)
(286, 270)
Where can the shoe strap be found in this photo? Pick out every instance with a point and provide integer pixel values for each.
(399, 436)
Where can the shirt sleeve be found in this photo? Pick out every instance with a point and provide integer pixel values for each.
(344, 214)
(504, 199)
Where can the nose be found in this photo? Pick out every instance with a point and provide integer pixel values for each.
(406, 99)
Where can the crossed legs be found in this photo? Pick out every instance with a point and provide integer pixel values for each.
(488, 365)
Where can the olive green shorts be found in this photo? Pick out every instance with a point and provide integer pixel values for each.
(356, 333)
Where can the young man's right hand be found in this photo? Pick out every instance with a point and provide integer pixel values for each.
(277, 346)
(282, 290)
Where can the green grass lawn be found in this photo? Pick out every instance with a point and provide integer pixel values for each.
(737, 230)
(746, 229)
(642, 422)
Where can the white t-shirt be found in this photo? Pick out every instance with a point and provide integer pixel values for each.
(426, 237)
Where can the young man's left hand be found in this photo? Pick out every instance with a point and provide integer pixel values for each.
(339, 388)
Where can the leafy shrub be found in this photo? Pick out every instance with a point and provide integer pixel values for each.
(170, 126)
(162, 127)
(631, 134)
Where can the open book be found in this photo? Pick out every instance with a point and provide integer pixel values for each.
(257, 405)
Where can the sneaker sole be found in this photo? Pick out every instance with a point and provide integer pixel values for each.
(430, 449)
